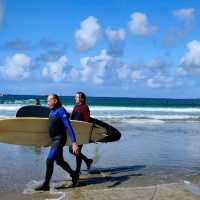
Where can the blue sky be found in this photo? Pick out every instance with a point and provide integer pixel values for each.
(106, 48)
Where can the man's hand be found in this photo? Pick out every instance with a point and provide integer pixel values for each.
(75, 148)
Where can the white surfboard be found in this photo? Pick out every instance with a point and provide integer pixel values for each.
(34, 131)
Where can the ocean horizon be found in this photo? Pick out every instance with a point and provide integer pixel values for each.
(115, 109)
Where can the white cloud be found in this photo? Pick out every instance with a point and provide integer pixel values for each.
(153, 74)
(56, 70)
(139, 25)
(94, 68)
(159, 81)
(101, 69)
(89, 33)
(116, 40)
(185, 14)
(16, 67)
(192, 57)
(137, 75)
(176, 33)
(154, 63)
(159, 75)
(181, 71)
(115, 35)
(190, 62)
(152, 83)
(108, 70)
(74, 74)
(105, 69)
(123, 72)
(157, 66)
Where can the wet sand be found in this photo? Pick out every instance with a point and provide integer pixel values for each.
(175, 191)
(133, 182)
(159, 192)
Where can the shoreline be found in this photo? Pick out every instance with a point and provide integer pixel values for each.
(175, 191)
(136, 182)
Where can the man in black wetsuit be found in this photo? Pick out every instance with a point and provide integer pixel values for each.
(58, 124)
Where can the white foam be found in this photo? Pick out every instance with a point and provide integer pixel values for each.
(172, 117)
(148, 109)
(136, 121)
(61, 197)
(6, 117)
(146, 117)
(30, 189)
(14, 107)
(7, 107)
(194, 188)
(127, 113)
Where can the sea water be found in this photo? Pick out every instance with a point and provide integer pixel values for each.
(160, 134)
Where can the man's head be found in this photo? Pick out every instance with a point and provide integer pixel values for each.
(53, 101)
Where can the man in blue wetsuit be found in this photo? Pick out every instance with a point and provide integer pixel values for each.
(58, 124)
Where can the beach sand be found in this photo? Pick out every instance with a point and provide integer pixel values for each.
(136, 182)
(175, 191)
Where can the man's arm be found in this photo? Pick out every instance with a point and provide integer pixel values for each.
(65, 119)
(67, 124)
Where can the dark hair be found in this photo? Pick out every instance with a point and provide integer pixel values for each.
(59, 103)
(83, 96)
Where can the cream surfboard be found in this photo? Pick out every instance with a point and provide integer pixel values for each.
(34, 131)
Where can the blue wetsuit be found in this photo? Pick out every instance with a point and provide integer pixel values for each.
(58, 125)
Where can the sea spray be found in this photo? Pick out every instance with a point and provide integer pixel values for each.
(30, 189)
(194, 188)
(30, 186)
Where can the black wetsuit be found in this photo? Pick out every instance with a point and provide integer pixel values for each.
(80, 112)
(58, 124)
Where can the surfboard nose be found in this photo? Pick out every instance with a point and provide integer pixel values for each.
(112, 134)
(116, 135)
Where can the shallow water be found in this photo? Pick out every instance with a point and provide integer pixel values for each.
(158, 152)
